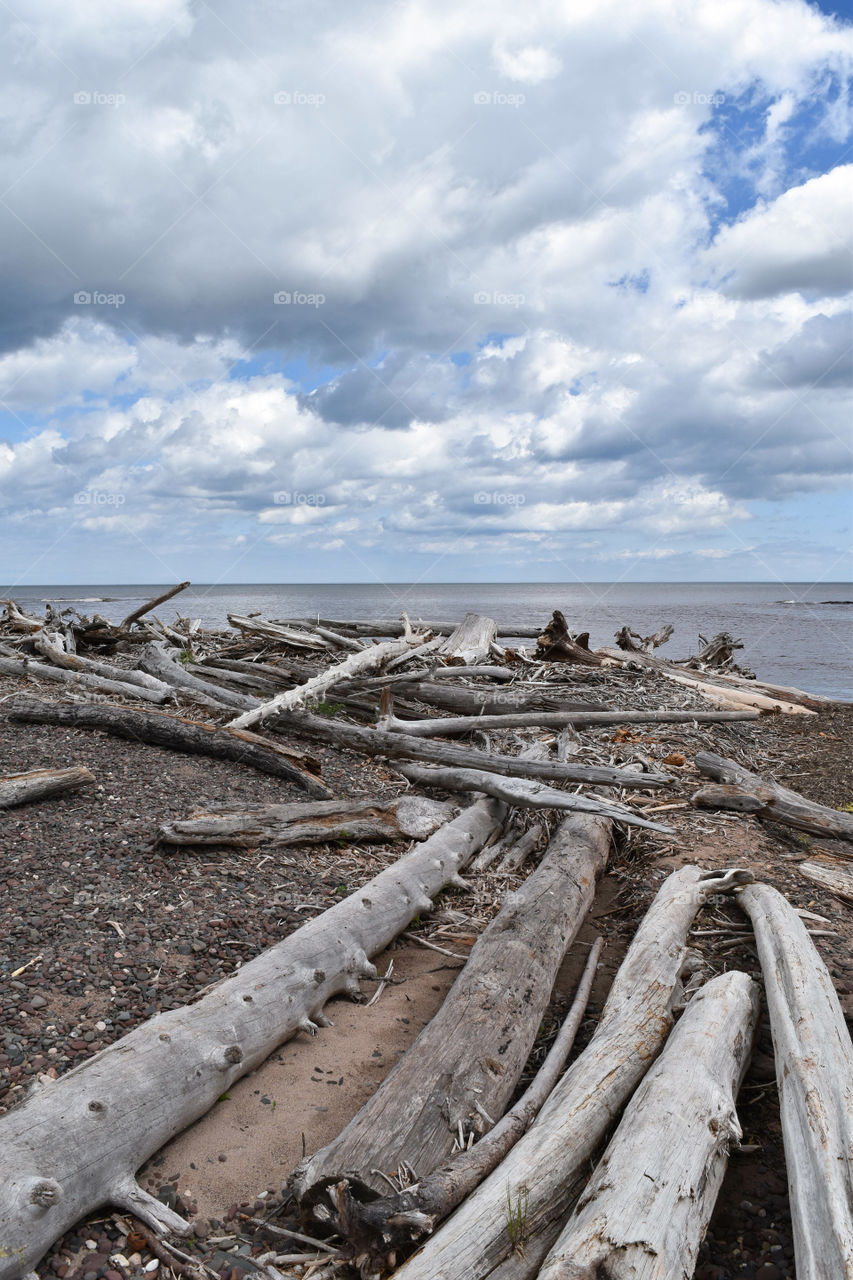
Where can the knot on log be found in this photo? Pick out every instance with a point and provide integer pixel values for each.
(233, 1054)
(45, 1192)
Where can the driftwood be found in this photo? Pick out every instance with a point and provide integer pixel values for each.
(152, 604)
(471, 639)
(175, 733)
(632, 642)
(523, 793)
(301, 639)
(312, 690)
(379, 1229)
(401, 746)
(25, 668)
(557, 644)
(838, 879)
(814, 1075)
(245, 826)
(22, 788)
(394, 627)
(551, 1159)
(480, 670)
(453, 726)
(50, 645)
(20, 621)
(746, 792)
(464, 701)
(161, 664)
(646, 1209)
(76, 1143)
(461, 1071)
(717, 652)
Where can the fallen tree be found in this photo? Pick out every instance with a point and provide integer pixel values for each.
(50, 645)
(556, 643)
(160, 663)
(814, 1076)
(38, 784)
(245, 826)
(76, 1142)
(646, 1209)
(551, 1159)
(746, 792)
(152, 604)
(467, 701)
(175, 733)
(837, 879)
(633, 642)
(460, 1073)
(26, 669)
(453, 726)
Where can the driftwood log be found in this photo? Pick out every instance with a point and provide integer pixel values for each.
(245, 826)
(632, 642)
(837, 878)
(50, 645)
(724, 688)
(176, 734)
(38, 784)
(556, 643)
(646, 1209)
(523, 793)
(152, 604)
(394, 627)
(746, 792)
(25, 668)
(166, 667)
(401, 746)
(379, 1229)
(454, 726)
(475, 702)
(298, 637)
(461, 1071)
(471, 640)
(814, 1075)
(76, 1143)
(20, 621)
(550, 1160)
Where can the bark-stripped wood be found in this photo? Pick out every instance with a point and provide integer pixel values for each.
(399, 746)
(38, 784)
(737, 696)
(300, 639)
(556, 643)
(175, 733)
(645, 1211)
(50, 646)
(466, 701)
(26, 669)
(366, 660)
(76, 1143)
(838, 878)
(551, 1159)
(471, 639)
(379, 1229)
(245, 826)
(746, 792)
(20, 621)
(464, 1065)
(524, 793)
(152, 604)
(453, 726)
(814, 1075)
(740, 690)
(632, 642)
(394, 627)
(165, 667)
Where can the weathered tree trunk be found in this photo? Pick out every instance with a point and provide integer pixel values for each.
(632, 642)
(379, 1229)
(312, 690)
(464, 1065)
(245, 826)
(746, 792)
(471, 639)
(453, 726)
(156, 661)
(20, 621)
(274, 631)
(731, 696)
(740, 691)
(400, 746)
(556, 643)
(50, 646)
(152, 604)
(837, 879)
(524, 793)
(76, 1143)
(479, 670)
(394, 627)
(486, 702)
(22, 788)
(717, 652)
(814, 1075)
(27, 669)
(645, 1211)
(175, 733)
(551, 1158)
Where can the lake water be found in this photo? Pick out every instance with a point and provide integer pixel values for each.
(799, 634)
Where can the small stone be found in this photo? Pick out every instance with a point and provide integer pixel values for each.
(38, 1002)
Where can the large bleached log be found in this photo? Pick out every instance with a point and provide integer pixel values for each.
(551, 1159)
(379, 1229)
(175, 733)
(300, 639)
(76, 1143)
(737, 696)
(484, 702)
(50, 646)
(37, 784)
(27, 669)
(245, 826)
(746, 792)
(366, 660)
(453, 726)
(394, 627)
(523, 793)
(20, 621)
(152, 604)
(400, 746)
(471, 639)
(838, 879)
(814, 1075)
(645, 1211)
(462, 1069)
(161, 664)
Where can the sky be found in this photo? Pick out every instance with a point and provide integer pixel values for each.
(415, 290)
